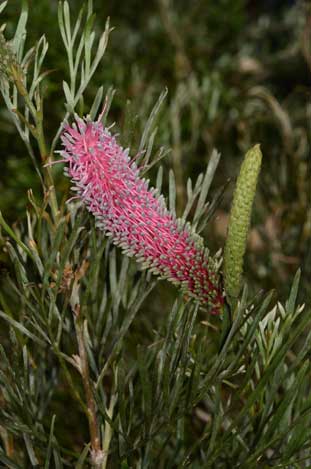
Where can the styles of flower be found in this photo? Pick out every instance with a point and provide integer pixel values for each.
(134, 215)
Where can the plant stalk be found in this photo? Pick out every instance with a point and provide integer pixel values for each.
(90, 401)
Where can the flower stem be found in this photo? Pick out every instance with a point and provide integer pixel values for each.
(96, 451)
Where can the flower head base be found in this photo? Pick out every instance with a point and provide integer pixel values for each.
(134, 215)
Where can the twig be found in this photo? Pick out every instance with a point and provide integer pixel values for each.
(96, 452)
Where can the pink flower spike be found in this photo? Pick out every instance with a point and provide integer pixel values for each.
(135, 216)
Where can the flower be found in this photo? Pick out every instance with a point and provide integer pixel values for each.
(134, 215)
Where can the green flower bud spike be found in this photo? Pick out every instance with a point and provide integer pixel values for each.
(239, 222)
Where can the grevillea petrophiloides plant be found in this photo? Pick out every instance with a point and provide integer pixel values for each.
(134, 215)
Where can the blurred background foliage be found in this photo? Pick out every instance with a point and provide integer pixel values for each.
(237, 73)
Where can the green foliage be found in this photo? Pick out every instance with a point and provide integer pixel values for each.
(180, 397)
(101, 364)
